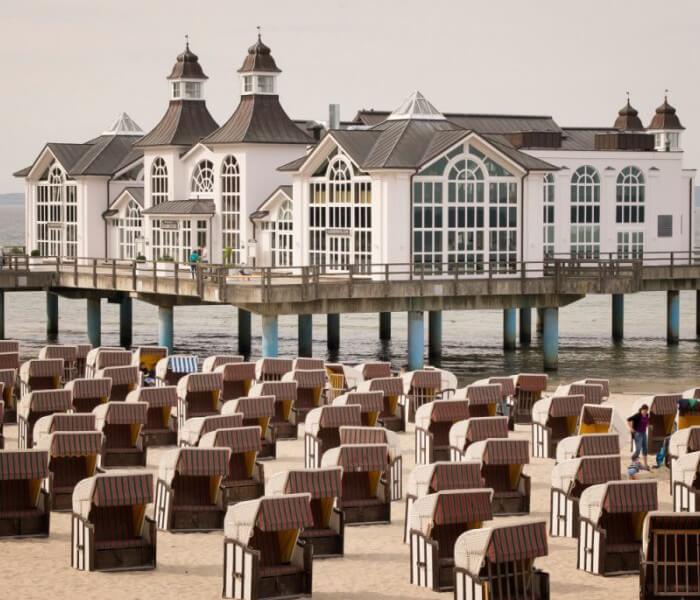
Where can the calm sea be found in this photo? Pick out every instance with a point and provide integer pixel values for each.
(472, 340)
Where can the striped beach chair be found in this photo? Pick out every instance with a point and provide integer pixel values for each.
(553, 419)
(476, 429)
(7, 395)
(211, 363)
(663, 410)
(285, 394)
(596, 418)
(437, 477)
(192, 431)
(366, 493)
(160, 428)
(9, 346)
(327, 533)
(593, 393)
(198, 395)
(529, 388)
(685, 483)
(507, 392)
(89, 393)
(68, 422)
(322, 430)
(146, 358)
(304, 363)
(256, 412)
(72, 458)
(35, 405)
(605, 383)
(110, 530)
(610, 526)
(106, 356)
(375, 370)
(341, 379)
(9, 360)
(379, 435)
(682, 442)
(38, 374)
(272, 369)
(569, 480)
(124, 381)
(435, 523)
(121, 424)
(2, 420)
(502, 464)
(670, 556)
(592, 444)
(188, 489)
(392, 415)
(25, 508)
(171, 369)
(245, 479)
(419, 388)
(370, 403)
(433, 423)
(483, 399)
(238, 379)
(496, 562)
(263, 555)
(689, 415)
(81, 359)
(69, 355)
(311, 392)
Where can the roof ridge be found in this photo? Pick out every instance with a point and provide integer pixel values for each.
(396, 142)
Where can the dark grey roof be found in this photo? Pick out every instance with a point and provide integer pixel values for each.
(187, 66)
(259, 59)
(258, 213)
(183, 207)
(527, 162)
(134, 155)
(23, 172)
(358, 144)
(259, 119)
(582, 138)
(136, 193)
(185, 123)
(68, 154)
(665, 117)
(293, 165)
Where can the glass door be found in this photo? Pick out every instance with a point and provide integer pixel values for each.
(338, 253)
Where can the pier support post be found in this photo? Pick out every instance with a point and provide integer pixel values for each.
(697, 314)
(244, 330)
(333, 331)
(540, 320)
(94, 321)
(126, 327)
(673, 317)
(525, 326)
(166, 327)
(270, 336)
(435, 334)
(385, 326)
(51, 315)
(416, 340)
(618, 317)
(550, 338)
(305, 335)
(2, 314)
(509, 328)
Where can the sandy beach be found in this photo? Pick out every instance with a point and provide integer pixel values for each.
(375, 566)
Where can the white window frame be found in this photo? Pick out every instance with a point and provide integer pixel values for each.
(548, 216)
(202, 180)
(231, 208)
(630, 191)
(585, 213)
(159, 181)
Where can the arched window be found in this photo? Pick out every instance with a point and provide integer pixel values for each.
(548, 215)
(129, 231)
(203, 178)
(56, 214)
(630, 196)
(231, 210)
(283, 236)
(159, 181)
(585, 212)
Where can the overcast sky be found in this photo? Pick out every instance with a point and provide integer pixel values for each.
(71, 66)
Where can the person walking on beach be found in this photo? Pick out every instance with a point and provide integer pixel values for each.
(638, 424)
(194, 259)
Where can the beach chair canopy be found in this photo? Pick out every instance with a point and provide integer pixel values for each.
(318, 483)
(83, 351)
(374, 370)
(597, 418)
(557, 406)
(99, 387)
(499, 542)
(371, 435)
(7, 377)
(450, 507)
(593, 393)
(199, 382)
(586, 470)
(389, 386)
(420, 381)
(176, 363)
(120, 413)
(23, 464)
(116, 488)
(69, 354)
(308, 379)
(126, 375)
(499, 452)
(211, 363)
(237, 439)
(594, 444)
(63, 422)
(304, 364)
(605, 383)
(49, 367)
(148, 356)
(367, 401)
(350, 374)
(240, 371)
(477, 429)
(258, 407)
(103, 357)
(488, 393)
(531, 382)
(686, 469)
(358, 457)
(155, 397)
(618, 497)
(662, 404)
(204, 462)
(44, 401)
(195, 428)
(444, 475)
(9, 346)
(272, 367)
(441, 411)
(658, 520)
(64, 444)
(281, 390)
(9, 360)
(328, 417)
(507, 385)
(684, 441)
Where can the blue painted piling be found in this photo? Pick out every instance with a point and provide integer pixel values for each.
(270, 336)
(305, 335)
(126, 327)
(618, 317)
(333, 331)
(509, 328)
(416, 340)
(166, 335)
(244, 330)
(525, 326)
(51, 314)
(94, 321)
(550, 338)
(435, 333)
(673, 317)
(385, 326)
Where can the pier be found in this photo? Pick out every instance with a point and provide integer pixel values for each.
(515, 289)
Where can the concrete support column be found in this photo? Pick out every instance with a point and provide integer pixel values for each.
(51, 315)
(540, 320)
(166, 329)
(697, 314)
(673, 317)
(385, 326)
(525, 326)
(126, 327)
(510, 326)
(270, 336)
(435, 333)
(618, 317)
(550, 338)
(333, 331)
(94, 321)
(244, 330)
(416, 340)
(2, 314)
(305, 335)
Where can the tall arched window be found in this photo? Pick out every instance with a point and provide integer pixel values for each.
(585, 212)
(56, 214)
(283, 236)
(129, 230)
(465, 216)
(630, 196)
(203, 178)
(231, 210)
(548, 215)
(159, 181)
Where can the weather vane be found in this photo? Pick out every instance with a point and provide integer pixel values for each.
(259, 31)
(187, 41)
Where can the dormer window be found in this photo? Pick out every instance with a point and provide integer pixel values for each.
(187, 90)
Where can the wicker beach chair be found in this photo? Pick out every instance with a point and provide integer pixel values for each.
(146, 358)
(596, 418)
(124, 381)
(9, 346)
(464, 433)
(682, 442)
(341, 379)
(374, 370)
(603, 382)
(370, 403)
(195, 428)
(106, 356)
(38, 374)
(553, 419)
(392, 415)
(256, 411)
(483, 399)
(238, 379)
(89, 393)
(81, 359)
(121, 424)
(211, 363)
(529, 388)
(433, 423)
(160, 428)
(593, 393)
(311, 392)
(507, 391)
(419, 388)
(285, 394)
(303, 363)
(25, 507)
(685, 483)
(171, 369)
(7, 394)
(35, 405)
(322, 430)
(592, 444)
(272, 369)
(9, 360)
(198, 395)
(69, 422)
(69, 355)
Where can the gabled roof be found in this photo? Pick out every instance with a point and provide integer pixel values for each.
(104, 156)
(262, 211)
(259, 119)
(135, 192)
(182, 207)
(184, 124)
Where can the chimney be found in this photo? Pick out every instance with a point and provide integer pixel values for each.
(334, 116)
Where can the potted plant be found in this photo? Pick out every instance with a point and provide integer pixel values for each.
(228, 253)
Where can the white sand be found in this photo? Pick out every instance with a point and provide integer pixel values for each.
(375, 566)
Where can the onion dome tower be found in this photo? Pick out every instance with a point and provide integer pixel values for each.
(628, 118)
(666, 127)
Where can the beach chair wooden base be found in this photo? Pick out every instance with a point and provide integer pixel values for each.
(123, 457)
(427, 568)
(284, 430)
(10, 415)
(120, 392)
(85, 405)
(598, 557)
(2, 442)
(330, 542)
(394, 423)
(206, 518)
(685, 498)
(268, 450)
(33, 522)
(365, 512)
(533, 586)
(510, 503)
(158, 437)
(563, 515)
(62, 500)
(297, 416)
(238, 491)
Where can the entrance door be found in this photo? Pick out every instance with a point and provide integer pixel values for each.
(55, 235)
(338, 252)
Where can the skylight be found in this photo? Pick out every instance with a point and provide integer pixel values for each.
(124, 125)
(416, 107)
